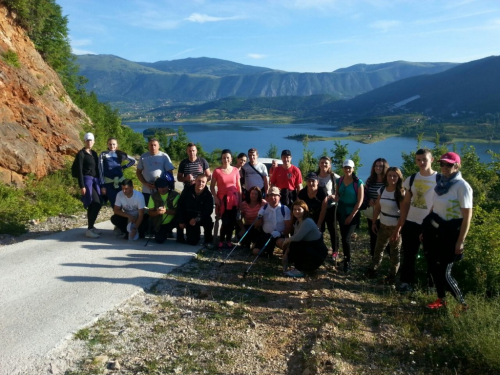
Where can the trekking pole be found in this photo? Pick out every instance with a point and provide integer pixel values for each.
(260, 252)
(335, 253)
(239, 242)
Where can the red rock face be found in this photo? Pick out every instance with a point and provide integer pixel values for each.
(39, 124)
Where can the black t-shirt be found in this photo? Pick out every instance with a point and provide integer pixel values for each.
(315, 203)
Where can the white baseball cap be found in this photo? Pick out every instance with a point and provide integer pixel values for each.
(348, 163)
(88, 137)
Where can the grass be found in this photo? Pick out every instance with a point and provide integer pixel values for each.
(11, 58)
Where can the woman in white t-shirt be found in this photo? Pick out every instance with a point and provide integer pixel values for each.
(389, 199)
(445, 228)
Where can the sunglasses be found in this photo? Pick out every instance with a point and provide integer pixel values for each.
(445, 164)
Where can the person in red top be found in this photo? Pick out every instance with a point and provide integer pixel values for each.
(227, 197)
(287, 178)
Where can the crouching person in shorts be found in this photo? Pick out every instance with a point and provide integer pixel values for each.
(275, 221)
(129, 210)
(162, 209)
(195, 208)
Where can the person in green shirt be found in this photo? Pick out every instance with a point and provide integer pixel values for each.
(162, 209)
(349, 199)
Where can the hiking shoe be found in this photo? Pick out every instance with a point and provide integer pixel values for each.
(229, 245)
(96, 231)
(220, 245)
(347, 266)
(390, 280)
(209, 245)
(91, 234)
(437, 304)
(295, 273)
(405, 288)
(117, 232)
(370, 273)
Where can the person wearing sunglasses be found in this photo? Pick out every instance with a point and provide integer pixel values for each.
(446, 227)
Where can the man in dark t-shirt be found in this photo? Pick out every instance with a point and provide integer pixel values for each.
(192, 166)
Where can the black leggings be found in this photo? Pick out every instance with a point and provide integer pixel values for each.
(228, 222)
(93, 209)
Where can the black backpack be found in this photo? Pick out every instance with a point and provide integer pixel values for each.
(74, 167)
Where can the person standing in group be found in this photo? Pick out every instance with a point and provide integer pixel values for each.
(192, 166)
(446, 227)
(305, 249)
(315, 199)
(87, 163)
(416, 206)
(389, 199)
(129, 210)
(195, 208)
(189, 168)
(287, 178)
(349, 199)
(152, 165)
(328, 181)
(241, 161)
(373, 185)
(255, 173)
(162, 208)
(111, 170)
(227, 197)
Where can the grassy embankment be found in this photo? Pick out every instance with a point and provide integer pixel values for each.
(207, 319)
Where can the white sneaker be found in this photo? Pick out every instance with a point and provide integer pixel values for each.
(91, 234)
(96, 231)
(117, 232)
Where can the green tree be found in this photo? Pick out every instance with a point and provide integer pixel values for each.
(272, 152)
(308, 163)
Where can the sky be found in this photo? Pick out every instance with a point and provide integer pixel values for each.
(289, 35)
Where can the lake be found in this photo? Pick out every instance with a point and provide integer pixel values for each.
(239, 136)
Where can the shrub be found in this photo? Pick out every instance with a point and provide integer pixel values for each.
(10, 57)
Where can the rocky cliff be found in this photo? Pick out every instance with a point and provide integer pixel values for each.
(39, 123)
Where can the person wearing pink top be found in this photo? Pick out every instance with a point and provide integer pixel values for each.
(249, 211)
(227, 197)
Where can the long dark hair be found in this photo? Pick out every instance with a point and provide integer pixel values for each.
(373, 175)
(399, 194)
(257, 189)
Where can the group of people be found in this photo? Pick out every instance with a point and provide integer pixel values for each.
(273, 209)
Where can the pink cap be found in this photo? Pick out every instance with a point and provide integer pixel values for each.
(450, 157)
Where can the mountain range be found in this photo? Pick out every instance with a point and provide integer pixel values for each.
(203, 79)
(469, 87)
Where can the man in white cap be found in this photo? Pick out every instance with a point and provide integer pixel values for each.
(276, 223)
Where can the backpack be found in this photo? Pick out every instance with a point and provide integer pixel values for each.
(412, 179)
(282, 209)
(75, 171)
(355, 184)
(398, 201)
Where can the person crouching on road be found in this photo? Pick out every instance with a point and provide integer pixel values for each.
(162, 209)
(275, 221)
(129, 211)
(305, 249)
(445, 228)
(195, 208)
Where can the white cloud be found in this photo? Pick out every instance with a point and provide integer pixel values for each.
(202, 18)
(256, 56)
(78, 51)
(184, 52)
(384, 25)
(80, 42)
